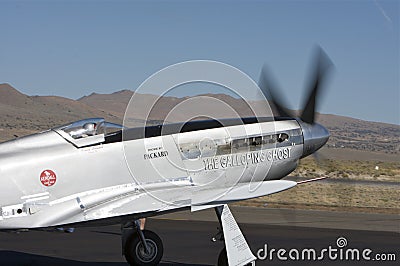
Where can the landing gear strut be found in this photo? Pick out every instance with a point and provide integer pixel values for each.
(236, 250)
(141, 247)
(222, 258)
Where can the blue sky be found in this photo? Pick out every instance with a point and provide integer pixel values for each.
(73, 48)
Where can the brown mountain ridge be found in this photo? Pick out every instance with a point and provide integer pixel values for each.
(21, 114)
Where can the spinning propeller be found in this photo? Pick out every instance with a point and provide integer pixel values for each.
(315, 135)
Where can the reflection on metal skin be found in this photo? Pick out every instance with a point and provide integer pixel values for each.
(315, 136)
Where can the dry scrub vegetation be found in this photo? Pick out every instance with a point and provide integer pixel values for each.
(353, 170)
(376, 197)
(335, 197)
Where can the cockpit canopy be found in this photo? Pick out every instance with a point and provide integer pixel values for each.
(88, 131)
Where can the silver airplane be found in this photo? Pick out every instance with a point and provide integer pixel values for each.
(80, 173)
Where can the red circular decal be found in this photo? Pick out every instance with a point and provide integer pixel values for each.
(48, 178)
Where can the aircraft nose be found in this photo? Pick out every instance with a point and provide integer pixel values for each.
(315, 136)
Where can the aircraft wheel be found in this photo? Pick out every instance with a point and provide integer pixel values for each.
(223, 258)
(135, 252)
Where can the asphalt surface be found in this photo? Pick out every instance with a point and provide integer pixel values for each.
(187, 237)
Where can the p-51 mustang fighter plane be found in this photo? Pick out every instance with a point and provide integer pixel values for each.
(78, 173)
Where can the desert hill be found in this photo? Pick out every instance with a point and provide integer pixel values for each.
(21, 114)
(114, 103)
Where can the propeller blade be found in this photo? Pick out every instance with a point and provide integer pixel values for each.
(270, 91)
(322, 161)
(317, 158)
(322, 65)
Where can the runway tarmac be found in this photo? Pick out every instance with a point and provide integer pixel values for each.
(187, 237)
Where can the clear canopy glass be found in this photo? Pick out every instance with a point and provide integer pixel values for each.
(90, 127)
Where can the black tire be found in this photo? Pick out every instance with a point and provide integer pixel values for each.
(223, 258)
(134, 250)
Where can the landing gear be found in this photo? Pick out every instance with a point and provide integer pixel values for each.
(219, 236)
(223, 258)
(142, 247)
(229, 232)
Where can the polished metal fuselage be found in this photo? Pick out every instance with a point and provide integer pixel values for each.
(197, 170)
